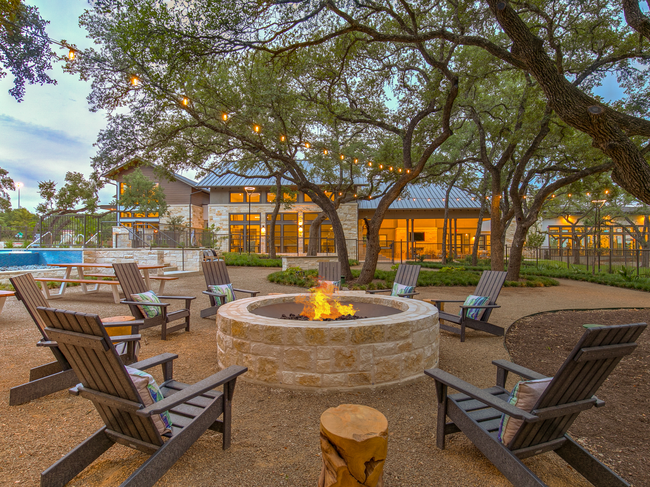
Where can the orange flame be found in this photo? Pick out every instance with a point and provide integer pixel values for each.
(322, 304)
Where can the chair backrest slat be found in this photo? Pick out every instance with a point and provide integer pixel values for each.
(490, 284)
(100, 370)
(577, 381)
(130, 279)
(329, 271)
(407, 274)
(215, 273)
(27, 291)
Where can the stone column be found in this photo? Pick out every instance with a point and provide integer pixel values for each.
(354, 443)
(121, 238)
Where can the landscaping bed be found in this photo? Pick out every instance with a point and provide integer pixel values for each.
(619, 431)
(447, 276)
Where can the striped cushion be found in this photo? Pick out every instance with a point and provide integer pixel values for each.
(472, 300)
(149, 296)
(223, 289)
(150, 394)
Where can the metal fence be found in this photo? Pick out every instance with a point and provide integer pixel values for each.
(589, 259)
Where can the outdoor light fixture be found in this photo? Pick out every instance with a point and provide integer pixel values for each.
(282, 138)
(185, 101)
(356, 161)
(381, 166)
(370, 164)
(72, 54)
(399, 170)
(18, 186)
(135, 80)
(224, 116)
(307, 145)
(257, 129)
(390, 168)
(325, 151)
(342, 156)
(408, 171)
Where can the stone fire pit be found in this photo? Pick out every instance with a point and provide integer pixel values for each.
(331, 355)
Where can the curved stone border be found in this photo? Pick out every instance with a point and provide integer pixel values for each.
(339, 355)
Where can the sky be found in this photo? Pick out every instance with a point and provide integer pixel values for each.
(52, 131)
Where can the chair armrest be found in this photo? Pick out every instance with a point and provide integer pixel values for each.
(253, 293)
(122, 323)
(519, 370)
(47, 343)
(163, 358)
(401, 295)
(480, 395)
(485, 306)
(373, 291)
(216, 295)
(446, 300)
(125, 338)
(194, 390)
(146, 303)
(177, 297)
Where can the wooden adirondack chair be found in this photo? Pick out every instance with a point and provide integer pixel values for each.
(329, 271)
(193, 408)
(210, 255)
(477, 412)
(132, 282)
(407, 275)
(216, 273)
(58, 375)
(490, 285)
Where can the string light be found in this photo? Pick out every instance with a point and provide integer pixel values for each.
(307, 145)
(257, 128)
(369, 163)
(390, 168)
(381, 166)
(185, 101)
(569, 195)
(355, 195)
(224, 117)
(282, 138)
(356, 161)
(399, 170)
(408, 171)
(325, 151)
(342, 156)
(135, 80)
(428, 199)
(607, 191)
(72, 54)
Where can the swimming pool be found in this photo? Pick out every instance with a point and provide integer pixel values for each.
(39, 257)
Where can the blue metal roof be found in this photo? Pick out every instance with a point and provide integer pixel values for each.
(255, 177)
(429, 197)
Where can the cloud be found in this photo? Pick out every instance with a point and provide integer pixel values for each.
(40, 132)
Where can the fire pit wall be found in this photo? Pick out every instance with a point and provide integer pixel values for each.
(338, 355)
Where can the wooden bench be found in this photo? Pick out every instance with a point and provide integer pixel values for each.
(162, 279)
(83, 282)
(3, 297)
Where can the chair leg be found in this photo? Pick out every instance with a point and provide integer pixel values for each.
(590, 468)
(163, 331)
(157, 464)
(44, 370)
(42, 387)
(441, 392)
(211, 311)
(77, 460)
(462, 330)
(187, 323)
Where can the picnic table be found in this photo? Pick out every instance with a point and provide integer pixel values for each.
(85, 281)
(3, 297)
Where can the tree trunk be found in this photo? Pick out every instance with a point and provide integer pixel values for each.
(477, 235)
(314, 242)
(341, 247)
(496, 227)
(445, 223)
(516, 252)
(274, 217)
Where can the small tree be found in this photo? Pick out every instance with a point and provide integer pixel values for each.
(143, 195)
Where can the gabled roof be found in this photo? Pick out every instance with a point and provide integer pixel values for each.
(112, 172)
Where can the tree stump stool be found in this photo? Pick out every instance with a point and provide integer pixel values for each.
(354, 442)
(114, 331)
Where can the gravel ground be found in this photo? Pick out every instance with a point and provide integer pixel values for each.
(275, 432)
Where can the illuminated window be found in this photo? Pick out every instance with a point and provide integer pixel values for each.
(236, 218)
(330, 195)
(254, 197)
(306, 197)
(236, 197)
(270, 197)
(291, 197)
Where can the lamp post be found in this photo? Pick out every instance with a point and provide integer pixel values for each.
(18, 186)
(247, 228)
(598, 204)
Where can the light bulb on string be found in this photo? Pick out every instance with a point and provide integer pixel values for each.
(256, 129)
(356, 161)
(369, 163)
(390, 168)
(408, 171)
(185, 101)
(342, 156)
(72, 54)
(135, 80)
(224, 117)
(282, 138)
(399, 170)
(325, 151)
(307, 145)
(381, 166)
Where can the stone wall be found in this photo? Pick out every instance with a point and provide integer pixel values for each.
(121, 239)
(171, 257)
(306, 263)
(51, 272)
(183, 211)
(339, 355)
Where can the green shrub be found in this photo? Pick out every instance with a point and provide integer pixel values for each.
(250, 260)
(9, 244)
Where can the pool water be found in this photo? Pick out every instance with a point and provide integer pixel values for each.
(38, 258)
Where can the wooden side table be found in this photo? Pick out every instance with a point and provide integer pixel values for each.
(354, 443)
(114, 331)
